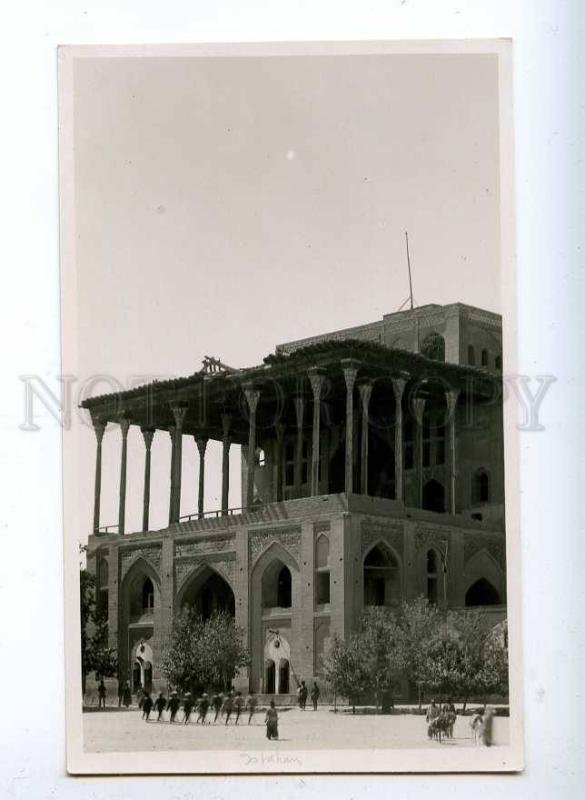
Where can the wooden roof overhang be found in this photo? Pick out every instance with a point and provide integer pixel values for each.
(281, 379)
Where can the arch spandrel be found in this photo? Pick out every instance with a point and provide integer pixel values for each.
(483, 565)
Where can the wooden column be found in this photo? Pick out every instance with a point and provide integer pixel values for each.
(124, 427)
(225, 462)
(419, 411)
(172, 431)
(316, 378)
(252, 397)
(452, 396)
(350, 370)
(148, 435)
(201, 442)
(365, 395)
(280, 430)
(99, 428)
(298, 476)
(179, 412)
(398, 385)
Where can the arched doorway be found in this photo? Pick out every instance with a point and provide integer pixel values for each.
(482, 593)
(269, 677)
(277, 586)
(209, 593)
(283, 676)
(381, 577)
(433, 497)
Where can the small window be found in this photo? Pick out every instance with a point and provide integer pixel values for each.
(323, 588)
(471, 355)
(147, 597)
(485, 359)
(481, 487)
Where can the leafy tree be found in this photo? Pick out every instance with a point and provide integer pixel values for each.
(380, 644)
(204, 653)
(419, 623)
(493, 676)
(345, 671)
(96, 656)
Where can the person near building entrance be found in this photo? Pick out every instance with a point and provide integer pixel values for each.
(173, 705)
(315, 692)
(216, 702)
(126, 695)
(238, 705)
(101, 694)
(160, 704)
(251, 703)
(303, 694)
(147, 705)
(271, 722)
(187, 707)
(228, 706)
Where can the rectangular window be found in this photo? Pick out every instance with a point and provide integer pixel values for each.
(323, 588)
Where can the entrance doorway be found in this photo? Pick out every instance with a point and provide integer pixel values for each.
(269, 677)
(283, 676)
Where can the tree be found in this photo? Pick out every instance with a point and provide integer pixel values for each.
(344, 669)
(493, 676)
(96, 656)
(380, 644)
(204, 653)
(419, 623)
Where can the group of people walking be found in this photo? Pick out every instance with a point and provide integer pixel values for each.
(303, 693)
(229, 705)
(441, 720)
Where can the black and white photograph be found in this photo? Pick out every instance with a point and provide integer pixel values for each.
(290, 477)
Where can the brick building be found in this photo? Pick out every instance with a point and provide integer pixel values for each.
(372, 471)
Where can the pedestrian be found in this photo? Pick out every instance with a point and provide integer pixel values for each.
(487, 727)
(139, 695)
(476, 725)
(251, 703)
(228, 706)
(217, 703)
(160, 704)
(303, 694)
(127, 695)
(173, 705)
(271, 722)
(238, 705)
(147, 705)
(203, 708)
(187, 707)
(101, 694)
(315, 692)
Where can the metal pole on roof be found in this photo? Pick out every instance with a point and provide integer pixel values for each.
(409, 271)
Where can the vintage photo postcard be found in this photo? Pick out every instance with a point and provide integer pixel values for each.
(290, 473)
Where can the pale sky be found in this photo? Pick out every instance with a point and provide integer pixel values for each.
(225, 205)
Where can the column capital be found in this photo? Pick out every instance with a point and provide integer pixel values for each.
(148, 435)
(124, 423)
(252, 394)
(451, 396)
(398, 384)
(350, 370)
(99, 427)
(365, 390)
(316, 378)
(179, 412)
(201, 442)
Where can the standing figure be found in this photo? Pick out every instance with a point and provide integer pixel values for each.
(187, 707)
(101, 694)
(216, 702)
(126, 695)
(238, 705)
(251, 703)
(147, 705)
(476, 725)
(160, 705)
(487, 727)
(173, 705)
(303, 694)
(203, 708)
(315, 692)
(228, 706)
(271, 722)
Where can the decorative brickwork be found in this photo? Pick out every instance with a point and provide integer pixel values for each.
(226, 567)
(427, 537)
(494, 544)
(321, 527)
(289, 538)
(207, 544)
(374, 530)
(150, 553)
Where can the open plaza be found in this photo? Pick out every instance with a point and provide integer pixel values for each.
(124, 730)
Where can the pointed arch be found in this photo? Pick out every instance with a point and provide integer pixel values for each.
(206, 589)
(483, 566)
(381, 569)
(275, 550)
